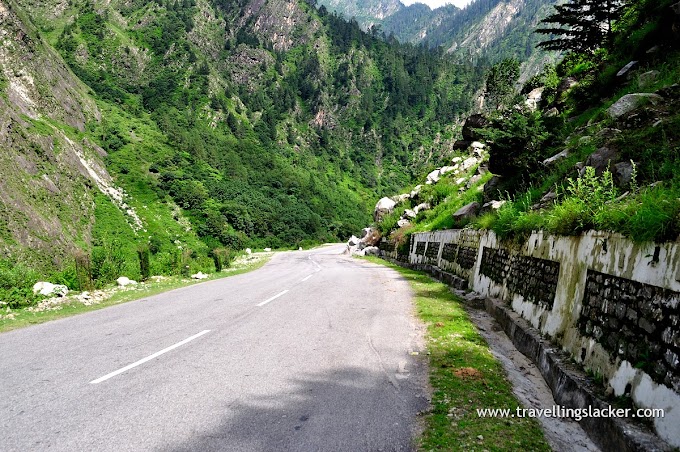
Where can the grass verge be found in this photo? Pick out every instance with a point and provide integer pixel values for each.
(464, 376)
(75, 304)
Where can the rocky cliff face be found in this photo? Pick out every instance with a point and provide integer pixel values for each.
(495, 29)
(368, 13)
(49, 171)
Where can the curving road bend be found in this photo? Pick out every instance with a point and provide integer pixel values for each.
(310, 353)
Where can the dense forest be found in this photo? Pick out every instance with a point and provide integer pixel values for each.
(240, 155)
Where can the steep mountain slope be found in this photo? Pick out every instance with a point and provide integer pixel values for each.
(485, 29)
(49, 169)
(366, 13)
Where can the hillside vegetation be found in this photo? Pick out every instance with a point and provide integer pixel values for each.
(153, 137)
(591, 143)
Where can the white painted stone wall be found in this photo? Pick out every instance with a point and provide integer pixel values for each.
(611, 254)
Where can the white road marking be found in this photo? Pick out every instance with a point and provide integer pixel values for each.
(306, 278)
(148, 358)
(318, 267)
(273, 298)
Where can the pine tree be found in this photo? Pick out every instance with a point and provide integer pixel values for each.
(580, 26)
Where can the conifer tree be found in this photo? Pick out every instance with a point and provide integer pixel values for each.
(580, 25)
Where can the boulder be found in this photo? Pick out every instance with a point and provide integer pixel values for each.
(456, 160)
(473, 122)
(585, 140)
(546, 201)
(491, 188)
(249, 251)
(267, 250)
(49, 289)
(566, 85)
(608, 133)
(534, 98)
(468, 163)
(556, 158)
(623, 174)
(602, 159)
(478, 145)
(416, 191)
(384, 207)
(372, 251)
(433, 177)
(401, 198)
(626, 70)
(631, 102)
(353, 241)
(124, 281)
(199, 275)
(403, 223)
(446, 170)
(473, 180)
(371, 236)
(552, 113)
(648, 78)
(491, 206)
(409, 214)
(466, 212)
(422, 207)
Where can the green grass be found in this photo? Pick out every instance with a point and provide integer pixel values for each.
(21, 318)
(464, 376)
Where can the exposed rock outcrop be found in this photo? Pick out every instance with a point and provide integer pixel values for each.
(466, 212)
(472, 123)
(631, 102)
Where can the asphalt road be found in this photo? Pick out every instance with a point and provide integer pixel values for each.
(313, 352)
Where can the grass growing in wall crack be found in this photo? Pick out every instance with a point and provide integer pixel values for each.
(464, 376)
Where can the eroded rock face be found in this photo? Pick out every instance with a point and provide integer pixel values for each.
(631, 102)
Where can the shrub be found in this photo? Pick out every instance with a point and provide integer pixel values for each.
(144, 255)
(222, 257)
(16, 284)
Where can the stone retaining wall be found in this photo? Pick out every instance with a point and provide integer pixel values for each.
(611, 304)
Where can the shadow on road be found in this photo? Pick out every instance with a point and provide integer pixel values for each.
(346, 410)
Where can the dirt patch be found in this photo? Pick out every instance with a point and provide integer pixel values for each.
(468, 373)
